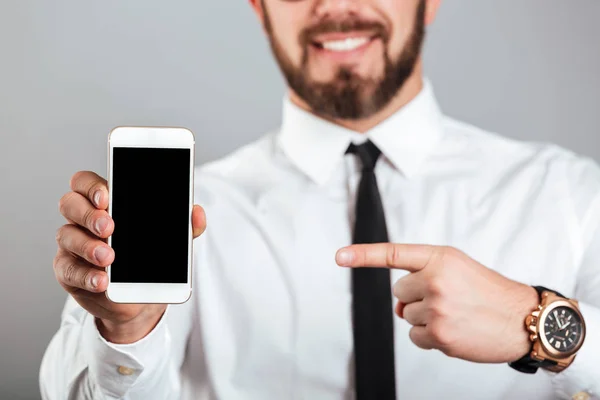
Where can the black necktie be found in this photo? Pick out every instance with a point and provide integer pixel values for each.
(371, 291)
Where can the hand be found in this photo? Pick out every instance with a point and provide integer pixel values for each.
(455, 304)
(564, 326)
(557, 320)
(83, 255)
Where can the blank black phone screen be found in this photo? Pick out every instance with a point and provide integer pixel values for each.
(150, 209)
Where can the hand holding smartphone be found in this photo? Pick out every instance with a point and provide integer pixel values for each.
(150, 181)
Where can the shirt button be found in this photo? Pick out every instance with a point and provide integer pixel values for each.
(125, 370)
(581, 396)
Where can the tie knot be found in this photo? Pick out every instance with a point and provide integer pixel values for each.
(367, 152)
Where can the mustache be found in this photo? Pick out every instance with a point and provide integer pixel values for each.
(343, 26)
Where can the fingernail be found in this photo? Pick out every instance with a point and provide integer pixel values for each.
(101, 253)
(97, 198)
(400, 310)
(344, 257)
(101, 224)
(95, 281)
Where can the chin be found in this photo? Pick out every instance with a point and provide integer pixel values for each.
(346, 72)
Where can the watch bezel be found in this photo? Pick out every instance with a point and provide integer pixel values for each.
(548, 348)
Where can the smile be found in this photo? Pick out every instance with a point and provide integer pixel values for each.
(341, 43)
(346, 44)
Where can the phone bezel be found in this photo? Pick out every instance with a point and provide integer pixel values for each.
(152, 137)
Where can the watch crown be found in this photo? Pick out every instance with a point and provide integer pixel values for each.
(531, 323)
(533, 337)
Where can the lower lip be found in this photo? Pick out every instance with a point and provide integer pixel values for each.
(344, 56)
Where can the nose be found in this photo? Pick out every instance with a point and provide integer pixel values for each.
(336, 8)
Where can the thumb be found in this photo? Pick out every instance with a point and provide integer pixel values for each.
(198, 221)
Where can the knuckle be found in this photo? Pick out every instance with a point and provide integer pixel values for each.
(87, 250)
(393, 256)
(69, 272)
(59, 264)
(60, 233)
(435, 285)
(438, 309)
(414, 336)
(63, 203)
(360, 257)
(409, 313)
(76, 178)
(396, 289)
(56, 262)
(88, 218)
(100, 184)
(83, 279)
(450, 351)
(441, 334)
(93, 186)
(63, 237)
(451, 253)
(437, 331)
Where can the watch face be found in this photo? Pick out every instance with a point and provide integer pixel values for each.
(562, 329)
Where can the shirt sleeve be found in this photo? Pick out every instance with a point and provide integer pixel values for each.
(583, 375)
(80, 364)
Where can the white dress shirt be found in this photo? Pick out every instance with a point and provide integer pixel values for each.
(270, 316)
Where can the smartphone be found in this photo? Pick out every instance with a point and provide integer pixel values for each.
(150, 184)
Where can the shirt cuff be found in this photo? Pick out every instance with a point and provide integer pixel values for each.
(583, 375)
(115, 368)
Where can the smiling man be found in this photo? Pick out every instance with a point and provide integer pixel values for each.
(345, 65)
(371, 248)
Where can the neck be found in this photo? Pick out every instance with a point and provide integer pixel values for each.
(411, 88)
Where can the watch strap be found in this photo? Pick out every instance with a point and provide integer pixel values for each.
(527, 364)
(541, 289)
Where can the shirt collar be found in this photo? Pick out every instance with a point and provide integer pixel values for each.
(317, 146)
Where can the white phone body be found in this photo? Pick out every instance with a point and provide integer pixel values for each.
(156, 140)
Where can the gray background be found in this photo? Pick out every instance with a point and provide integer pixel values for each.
(70, 70)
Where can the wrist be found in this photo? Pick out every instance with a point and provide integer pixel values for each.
(526, 301)
(127, 332)
(553, 347)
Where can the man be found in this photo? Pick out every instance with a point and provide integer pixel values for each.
(457, 233)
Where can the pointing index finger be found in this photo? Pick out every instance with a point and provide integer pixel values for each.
(409, 257)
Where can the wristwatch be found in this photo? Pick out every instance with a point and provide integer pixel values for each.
(556, 329)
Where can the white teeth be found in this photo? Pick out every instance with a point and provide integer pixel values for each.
(346, 44)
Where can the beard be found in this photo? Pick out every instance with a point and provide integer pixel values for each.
(349, 96)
